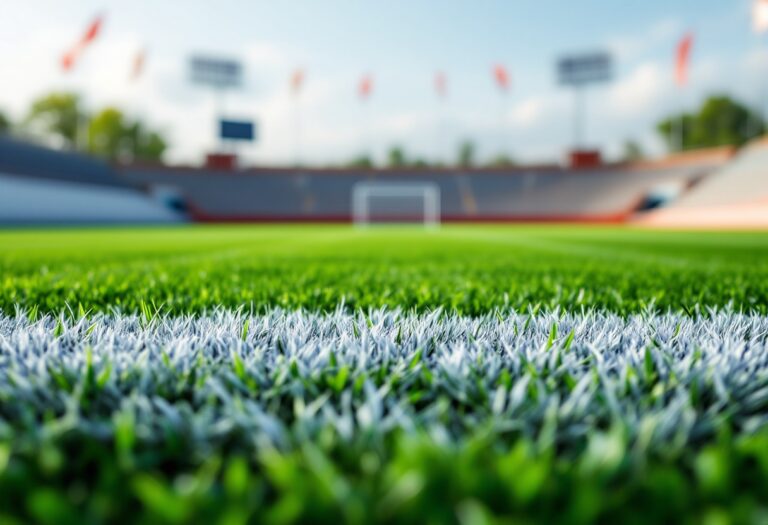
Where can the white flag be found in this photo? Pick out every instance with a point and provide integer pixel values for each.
(760, 15)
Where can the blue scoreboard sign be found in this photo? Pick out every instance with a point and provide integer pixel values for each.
(237, 130)
(216, 72)
(589, 68)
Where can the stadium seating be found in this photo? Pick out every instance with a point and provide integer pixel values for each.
(44, 185)
(553, 193)
(736, 195)
(39, 185)
(24, 158)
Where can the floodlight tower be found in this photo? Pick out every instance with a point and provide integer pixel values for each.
(578, 72)
(222, 75)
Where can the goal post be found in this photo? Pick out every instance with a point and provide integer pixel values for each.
(365, 193)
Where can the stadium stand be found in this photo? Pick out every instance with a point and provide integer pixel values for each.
(24, 158)
(734, 196)
(605, 194)
(39, 185)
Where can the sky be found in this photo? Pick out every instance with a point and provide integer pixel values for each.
(401, 44)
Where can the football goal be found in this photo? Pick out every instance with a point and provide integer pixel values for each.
(401, 202)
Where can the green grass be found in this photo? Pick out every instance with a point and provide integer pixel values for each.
(234, 419)
(467, 269)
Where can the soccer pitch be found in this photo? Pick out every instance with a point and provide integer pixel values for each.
(482, 374)
(467, 269)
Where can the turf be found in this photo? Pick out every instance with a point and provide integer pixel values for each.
(470, 270)
(326, 374)
(382, 417)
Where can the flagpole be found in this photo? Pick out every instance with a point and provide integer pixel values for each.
(578, 119)
(133, 106)
(367, 140)
(363, 144)
(297, 130)
(680, 122)
(754, 127)
(83, 121)
(681, 79)
(91, 33)
(502, 80)
(760, 26)
(219, 115)
(297, 83)
(442, 146)
(763, 92)
(364, 92)
(439, 84)
(503, 129)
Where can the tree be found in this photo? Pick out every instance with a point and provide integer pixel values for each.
(150, 146)
(501, 161)
(361, 162)
(108, 135)
(58, 114)
(633, 151)
(466, 157)
(5, 123)
(396, 157)
(721, 121)
(113, 136)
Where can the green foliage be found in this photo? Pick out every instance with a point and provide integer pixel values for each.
(5, 123)
(633, 151)
(721, 121)
(112, 135)
(58, 114)
(466, 154)
(147, 145)
(470, 270)
(109, 133)
(501, 160)
(361, 162)
(396, 158)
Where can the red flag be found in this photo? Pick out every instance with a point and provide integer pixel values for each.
(441, 84)
(365, 87)
(68, 60)
(297, 81)
(92, 31)
(683, 57)
(501, 76)
(138, 65)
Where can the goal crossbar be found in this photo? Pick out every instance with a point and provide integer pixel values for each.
(363, 192)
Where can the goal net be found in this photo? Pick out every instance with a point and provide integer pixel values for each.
(406, 202)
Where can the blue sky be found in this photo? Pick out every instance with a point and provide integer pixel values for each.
(401, 43)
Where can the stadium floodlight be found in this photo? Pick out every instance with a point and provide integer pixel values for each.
(219, 73)
(365, 193)
(579, 71)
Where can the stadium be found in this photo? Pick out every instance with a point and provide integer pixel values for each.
(501, 311)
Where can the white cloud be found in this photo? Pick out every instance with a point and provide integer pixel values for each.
(536, 124)
(627, 48)
(639, 92)
(529, 111)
